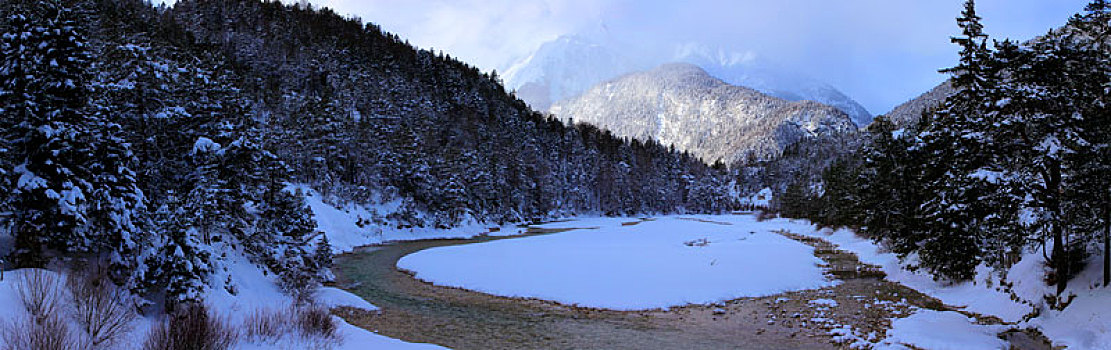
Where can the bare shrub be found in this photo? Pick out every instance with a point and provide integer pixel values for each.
(192, 328)
(48, 332)
(266, 324)
(40, 292)
(315, 321)
(765, 215)
(309, 322)
(99, 306)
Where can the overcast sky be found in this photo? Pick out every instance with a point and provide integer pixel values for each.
(880, 52)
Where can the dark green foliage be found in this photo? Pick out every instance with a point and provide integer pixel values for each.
(183, 262)
(1016, 158)
(322, 256)
(839, 204)
(73, 192)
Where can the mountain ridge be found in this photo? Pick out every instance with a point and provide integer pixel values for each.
(681, 105)
(571, 64)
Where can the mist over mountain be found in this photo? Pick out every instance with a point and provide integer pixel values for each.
(564, 68)
(682, 105)
(749, 71)
(569, 65)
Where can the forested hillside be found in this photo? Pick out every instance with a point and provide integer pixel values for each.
(359, 112)
(155, 140)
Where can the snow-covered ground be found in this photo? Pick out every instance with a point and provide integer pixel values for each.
(260, 292)
(975, 296)
(256, 291)
(942, 330)
(661, 263)
(669, 261)
(350, 226)
(1084, 324)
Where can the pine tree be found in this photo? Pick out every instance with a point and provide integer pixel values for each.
(891, 186)
(322, 256)
(839, 203)
(1094, 27)
(183, 263)
(281, 240)
(1055, 95)
(952, 144)
(74, 191)
(970, 74)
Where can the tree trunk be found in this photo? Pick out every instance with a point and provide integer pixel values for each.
(1060, 259)
(1060, 263)
(1107, 247)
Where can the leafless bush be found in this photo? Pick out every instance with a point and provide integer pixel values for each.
(48, 332)
(266, 324)
(99, 306)
(316, 321)
(765, 215)
(193, 328)
(40, 292)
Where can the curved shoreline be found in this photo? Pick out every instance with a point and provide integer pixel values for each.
(418, 311)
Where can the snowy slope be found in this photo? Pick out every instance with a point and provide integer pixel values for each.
(682, 105)
(256, 292)
(1091, 308)
(750, 71)
(349, 226)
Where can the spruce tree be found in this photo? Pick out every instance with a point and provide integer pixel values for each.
(183, 263)
(1056, 93)
(322, 256)
(74, 193)
(1094, 31)
(891, 187)
(952, 144)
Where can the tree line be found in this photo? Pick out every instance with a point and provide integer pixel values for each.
(1018, 159)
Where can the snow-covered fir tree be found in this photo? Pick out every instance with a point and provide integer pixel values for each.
(181, 267)
(74, 192)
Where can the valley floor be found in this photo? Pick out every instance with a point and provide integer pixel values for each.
(672, 282)
(563, 297)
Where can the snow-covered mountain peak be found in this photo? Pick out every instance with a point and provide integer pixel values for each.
(747, 69)
(680, 104)
(569, 65)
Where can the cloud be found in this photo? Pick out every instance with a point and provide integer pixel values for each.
(488, 33)
(880, 52)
